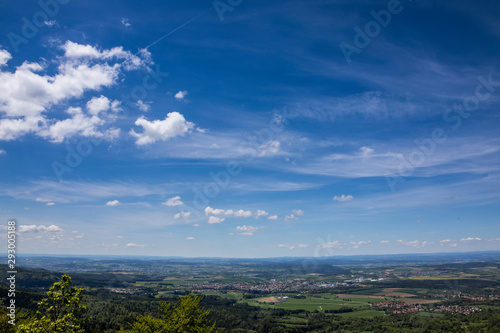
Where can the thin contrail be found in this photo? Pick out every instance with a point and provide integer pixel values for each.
(171, 32)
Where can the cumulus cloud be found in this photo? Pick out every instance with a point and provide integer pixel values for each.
(134, 245)
(209, 211)
(39, 228)
(78, 125)
(113, 203)
(172, 202)
(190, 238)
(242, 213)
(181, 94)
(415, 243)
(102, 104)
(384, 242)
(50, 23)
(470, 239)
(448, 242)
(29, 94)
(215, 219)
(356, 245)
(294, 216)
(333, 244)
(4, 57)
(144, 107)
(161, 130)
(182, 215)
(273, 217)
(343, 198)
(50, 203)
(260, 213)
(246, 230)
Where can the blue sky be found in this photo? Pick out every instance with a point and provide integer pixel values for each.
(250, 129)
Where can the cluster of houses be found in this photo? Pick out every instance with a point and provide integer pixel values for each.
(402, 307)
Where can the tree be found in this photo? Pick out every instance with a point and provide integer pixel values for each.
(184, 317)
(60, 312)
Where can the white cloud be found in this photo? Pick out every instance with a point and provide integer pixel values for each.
(246, 230)
(50, 23)
(215, 219)
(365, 151)
(172, 202)
(4, 57)
(273, 217)
(290, 247)
(294, 216)
(125, 22)
(304, 245)
(113, 203)
(448, 242)
(144, 107)
(243, 213)
(50, 203)
(230, 213)
(78, 124)
(181, 94)
(78, 51)
(190, 238)
(210, 211)
(384, 242)
(356, 245)
(102, 104)
(269, 148)
(2, 152)
(343, 198)
(260, 213)
(332, 244)
(161, 130)
(120, 237)
(470, 239)
(28, 97)
(182, 215)
(42, 200)
(39, 228)
(134, 245)
(415, 243)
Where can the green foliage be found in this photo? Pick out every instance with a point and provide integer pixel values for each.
(184, 317)
(60, 312)
(5, 327)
